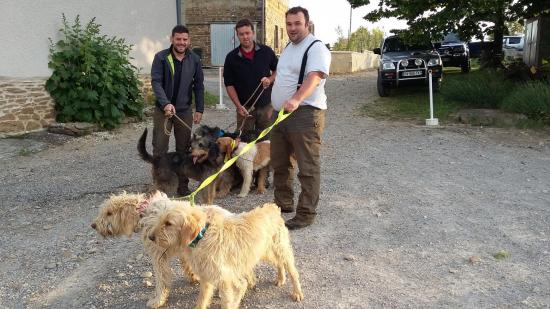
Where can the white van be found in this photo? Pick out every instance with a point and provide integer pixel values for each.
(512, 46)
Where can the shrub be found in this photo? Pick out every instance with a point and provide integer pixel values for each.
(480, 89)
(92, 79)
(531, 99)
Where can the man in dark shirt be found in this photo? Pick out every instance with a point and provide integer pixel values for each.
(176, 72)
(244, 68)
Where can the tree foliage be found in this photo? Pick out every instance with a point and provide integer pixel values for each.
(92, 78)
(360, 40)
(429, 19)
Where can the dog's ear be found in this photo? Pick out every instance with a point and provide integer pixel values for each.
(191, 227)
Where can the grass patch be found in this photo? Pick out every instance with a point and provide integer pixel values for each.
(24, 152)
(501, 255)
(413, 103)
(210, 100)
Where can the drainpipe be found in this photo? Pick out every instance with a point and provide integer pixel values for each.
(263, 22)
(178, 12)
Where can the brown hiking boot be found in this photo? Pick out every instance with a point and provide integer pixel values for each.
(298, 223)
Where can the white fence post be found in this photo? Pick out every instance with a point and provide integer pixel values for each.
(432, 121)
(220, 104)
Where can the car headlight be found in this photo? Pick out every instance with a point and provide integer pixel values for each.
(388, 66)
(405, 63)
(434, 61)
(418, 62)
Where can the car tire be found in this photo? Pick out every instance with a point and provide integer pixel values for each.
(465, 68)
(383, 90)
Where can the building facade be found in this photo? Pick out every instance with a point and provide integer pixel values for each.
(211, 25)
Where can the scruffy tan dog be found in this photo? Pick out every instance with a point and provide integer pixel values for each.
(256, 159)
(223, 251)
(125, 214)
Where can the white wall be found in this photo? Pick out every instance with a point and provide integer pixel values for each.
(26, 25)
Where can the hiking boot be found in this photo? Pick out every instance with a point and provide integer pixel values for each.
(298, 223)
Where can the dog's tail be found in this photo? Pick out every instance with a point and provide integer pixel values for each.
(142, 149)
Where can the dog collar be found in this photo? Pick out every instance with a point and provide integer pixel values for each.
(193, 244)
(229, 154)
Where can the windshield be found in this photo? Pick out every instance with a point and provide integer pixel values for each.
(395, 44)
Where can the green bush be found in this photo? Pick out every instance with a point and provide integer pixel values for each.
(531, 99)
(480, 89)
(92, 79)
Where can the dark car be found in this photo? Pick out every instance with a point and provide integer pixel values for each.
(402, 64)
(455, 53)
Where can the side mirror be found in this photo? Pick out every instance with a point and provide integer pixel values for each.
(437, 45)
(376, 51)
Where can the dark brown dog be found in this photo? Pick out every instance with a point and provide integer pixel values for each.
(166, 169)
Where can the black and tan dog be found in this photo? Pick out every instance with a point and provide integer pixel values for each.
(166, 169)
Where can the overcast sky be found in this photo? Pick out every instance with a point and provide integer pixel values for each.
(327, 15)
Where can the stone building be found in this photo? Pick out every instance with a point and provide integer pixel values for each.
(25, 105)
(211, 25)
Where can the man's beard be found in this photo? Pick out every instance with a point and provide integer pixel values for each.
(179, 49)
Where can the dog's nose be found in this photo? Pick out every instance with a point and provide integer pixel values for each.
(94, 226)
(152, 237)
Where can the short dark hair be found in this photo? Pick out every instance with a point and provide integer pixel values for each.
(180, 29)
(297, 9)
(243, 23)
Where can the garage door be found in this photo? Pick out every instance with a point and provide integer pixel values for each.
(223, 40)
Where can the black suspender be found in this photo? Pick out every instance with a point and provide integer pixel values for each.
(304, 62)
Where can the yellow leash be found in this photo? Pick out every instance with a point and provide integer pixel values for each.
(280, 117)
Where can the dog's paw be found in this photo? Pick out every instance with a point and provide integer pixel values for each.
(280, 281)
(241, 195)
(297, 296)
(261, 190)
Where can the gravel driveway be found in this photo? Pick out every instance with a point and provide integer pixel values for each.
(409, 216)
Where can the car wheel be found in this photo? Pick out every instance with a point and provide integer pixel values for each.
(465, 68)
(383, 91)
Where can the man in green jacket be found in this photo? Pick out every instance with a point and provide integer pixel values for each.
(176, 73)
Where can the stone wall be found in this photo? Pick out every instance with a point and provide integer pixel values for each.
(199, 14)
(26, 106)
(275, 22)
(349, 62)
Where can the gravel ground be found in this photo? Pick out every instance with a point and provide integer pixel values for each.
(409, 216)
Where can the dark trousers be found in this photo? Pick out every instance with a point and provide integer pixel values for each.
(298, 135)
(182, 134)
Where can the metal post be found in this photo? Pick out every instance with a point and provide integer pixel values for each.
(220, 105)
(432, 121)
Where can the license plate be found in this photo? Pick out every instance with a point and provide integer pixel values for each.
(412, 73)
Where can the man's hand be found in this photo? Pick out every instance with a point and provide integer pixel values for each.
(169, 110)
(291, 105)
(197, 116)
(266, 82)
(242, 111)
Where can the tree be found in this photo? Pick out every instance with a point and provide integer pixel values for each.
(428, 19)
(360, 40)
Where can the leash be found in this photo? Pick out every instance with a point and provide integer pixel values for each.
(191, 197)
(251, 109)
(168, 132)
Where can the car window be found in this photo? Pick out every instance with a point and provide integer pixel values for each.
(396, 45)
(514, 40)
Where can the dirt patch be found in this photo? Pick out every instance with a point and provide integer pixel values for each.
(409, 216)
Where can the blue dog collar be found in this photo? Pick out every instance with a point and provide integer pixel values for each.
(193, 244)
